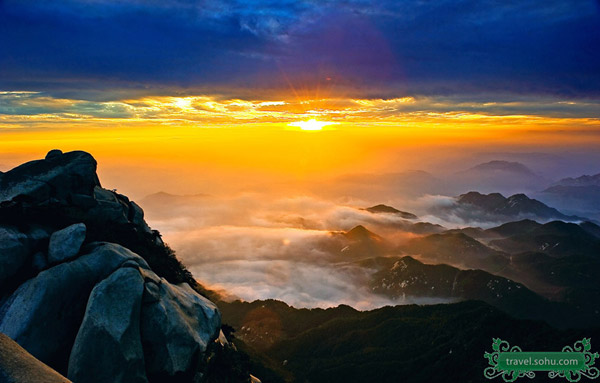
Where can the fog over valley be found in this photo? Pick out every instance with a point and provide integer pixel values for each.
(309, 250)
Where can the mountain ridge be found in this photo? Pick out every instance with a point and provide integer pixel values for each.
(517, 205)
(385, 209)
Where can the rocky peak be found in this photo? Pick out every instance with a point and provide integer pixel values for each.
(88, 288)
(486, 201)
(360, 233)
(385, 209)
(517, 205)
(62, 178)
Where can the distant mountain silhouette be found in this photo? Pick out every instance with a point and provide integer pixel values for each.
(575, 195)
(591, 228)
(378, 209)
(502, 176)
(558, 260)
(457, 249)
(557, 238)
(359, 242)
(473, 232)
(401, 277)
(584, 180)
(361, 233)
(514, 228)
(515, 206)
(355, 244)
(585, 192)
(499, 232)
(163, 197)
(503, 166)
(425, 228)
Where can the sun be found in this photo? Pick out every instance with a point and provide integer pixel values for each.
(311, 124)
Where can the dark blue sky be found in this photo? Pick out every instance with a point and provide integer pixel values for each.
(467, 48)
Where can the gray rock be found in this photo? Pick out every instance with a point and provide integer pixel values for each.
(54, 178)
(109, 207)
(136, 216)
(103, 195)
(19, 366)
(14, 252)
(131, 263)
(117, 208)
(151, 286)
(108, 347)
(44, 313)
(151, 292)
(97, 312)
(176, 329)
(66, 243)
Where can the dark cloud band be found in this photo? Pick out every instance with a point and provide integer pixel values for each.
(375, 48)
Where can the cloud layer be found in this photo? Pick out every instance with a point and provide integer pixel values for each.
(406, 47)
(259, 246)
(255, 247)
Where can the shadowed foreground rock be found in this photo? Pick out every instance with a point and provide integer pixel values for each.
(112, 322)
(88, 288)
(19, 366)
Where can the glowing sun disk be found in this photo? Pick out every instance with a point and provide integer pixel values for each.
(311, 124)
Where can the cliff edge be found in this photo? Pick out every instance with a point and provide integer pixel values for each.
(87, 288)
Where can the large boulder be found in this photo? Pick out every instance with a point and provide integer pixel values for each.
(43, 315)
(66, 243)
(177, 326)
(94, 311)
(57, 178)
(19, 366)
(108, 347)
(14, 252)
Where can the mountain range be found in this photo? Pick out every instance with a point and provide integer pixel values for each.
(89, 292)
(585, 180)
(499, 175)
(494, 207)
(575, 195)
(408, 343)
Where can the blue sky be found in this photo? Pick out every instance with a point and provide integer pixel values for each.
(101, 50)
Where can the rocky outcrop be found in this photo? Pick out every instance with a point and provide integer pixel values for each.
(68, 177)
(19, 366)
(177, 324)
(44, 313)
(111, 323)
(66, 243)
(78, 288)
